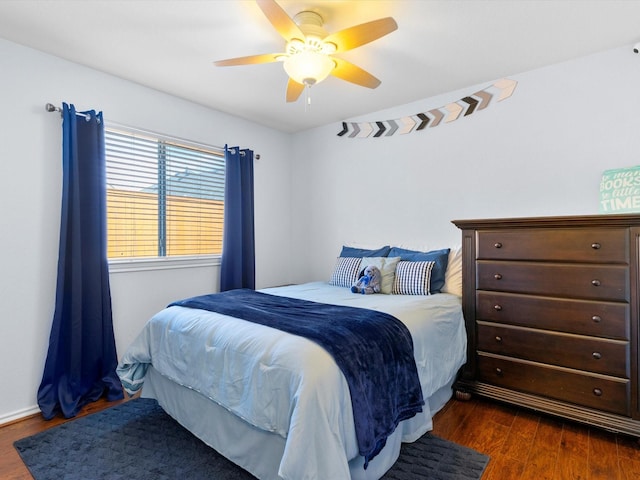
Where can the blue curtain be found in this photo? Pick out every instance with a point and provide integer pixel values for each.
(237, 269)
(81, 361)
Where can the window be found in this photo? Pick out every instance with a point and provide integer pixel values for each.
(165, 197)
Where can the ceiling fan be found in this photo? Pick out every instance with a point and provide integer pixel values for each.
(308, 56)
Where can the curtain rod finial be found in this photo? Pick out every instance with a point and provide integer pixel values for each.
(51, 108)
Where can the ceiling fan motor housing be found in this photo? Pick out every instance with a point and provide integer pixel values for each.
(311, 24)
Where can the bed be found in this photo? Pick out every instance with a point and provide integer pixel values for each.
(277, 404)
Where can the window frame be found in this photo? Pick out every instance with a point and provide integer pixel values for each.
(137, 264)
(120, 265)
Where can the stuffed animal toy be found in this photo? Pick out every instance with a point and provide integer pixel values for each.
(368, 281)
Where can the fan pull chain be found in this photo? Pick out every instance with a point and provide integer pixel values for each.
(307, 97)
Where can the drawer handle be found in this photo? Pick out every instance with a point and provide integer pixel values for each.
(595, 283)
(596, 318)
(596, 246)
(497, 245)
(597, 392)
(596, 355)
(499, 372)
(498, 338)
(497, 308)
(497, 276)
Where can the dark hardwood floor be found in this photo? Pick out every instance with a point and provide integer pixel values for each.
(522, 445)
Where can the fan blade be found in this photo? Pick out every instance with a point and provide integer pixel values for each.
(282, 22)
(354, 74)
(250, 60)
(294, 89)
(361, 34)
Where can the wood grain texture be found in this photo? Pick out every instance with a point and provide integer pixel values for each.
(551, 307)
(527, 445)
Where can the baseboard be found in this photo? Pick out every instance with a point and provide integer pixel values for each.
(18, 415)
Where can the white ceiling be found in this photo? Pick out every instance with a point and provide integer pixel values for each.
(440, 46)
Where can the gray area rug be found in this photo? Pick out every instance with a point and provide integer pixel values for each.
(138, 440)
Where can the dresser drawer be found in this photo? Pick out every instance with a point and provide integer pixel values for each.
(607, 245)
(590, 390)
(583, 317)
(610, 282)
(591, 354)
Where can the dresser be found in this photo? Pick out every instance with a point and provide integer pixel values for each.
(551, 311)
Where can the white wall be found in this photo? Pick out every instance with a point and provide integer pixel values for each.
(30, 189)
(540, 152)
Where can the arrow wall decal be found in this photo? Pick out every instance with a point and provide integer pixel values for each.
(472, 105)
(437, 117)
(485, 98)
(454, 112)
(365, 130)
(393, 126)
(506, 86)
(407, 124)
(381, 129)
(424, 120)
(500, 90)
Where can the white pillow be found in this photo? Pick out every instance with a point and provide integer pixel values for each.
(387, 267)
(345, 271)
(453, 275)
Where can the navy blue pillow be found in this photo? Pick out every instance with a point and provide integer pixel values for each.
(441, 257)
(363, 252)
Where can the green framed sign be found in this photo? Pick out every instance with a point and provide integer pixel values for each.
(620, 190)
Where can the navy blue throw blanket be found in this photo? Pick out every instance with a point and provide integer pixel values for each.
(373, 349)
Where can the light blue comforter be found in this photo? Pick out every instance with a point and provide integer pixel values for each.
(289, 385)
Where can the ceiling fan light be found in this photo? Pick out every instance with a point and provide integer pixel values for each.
(308, 68)
(329, 48)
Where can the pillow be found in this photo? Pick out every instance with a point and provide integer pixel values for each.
(440, 257)
(364, 252)
(345, 272)
(387, 267)
(453, 275)
(413, 278)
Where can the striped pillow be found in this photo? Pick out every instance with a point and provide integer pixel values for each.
(413, 278)
(345, 272)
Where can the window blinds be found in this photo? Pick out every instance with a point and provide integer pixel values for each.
(165, 197)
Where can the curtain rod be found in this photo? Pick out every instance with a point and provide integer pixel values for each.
(50, 107)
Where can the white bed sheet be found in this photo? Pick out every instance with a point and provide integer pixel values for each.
(290, 386)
